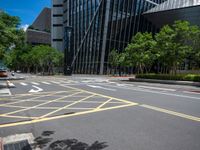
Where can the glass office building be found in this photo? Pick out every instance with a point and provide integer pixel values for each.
(92, 28)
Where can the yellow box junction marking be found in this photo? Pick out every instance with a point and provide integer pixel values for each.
(86, 110)
(123, 103)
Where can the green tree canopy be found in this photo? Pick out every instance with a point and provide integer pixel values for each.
(10, 34)
(140, 52)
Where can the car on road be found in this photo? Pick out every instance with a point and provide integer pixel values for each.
(3, 73)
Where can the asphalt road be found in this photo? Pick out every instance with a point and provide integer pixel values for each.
(99, 112)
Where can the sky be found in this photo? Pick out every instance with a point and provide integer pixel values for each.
(27, 10)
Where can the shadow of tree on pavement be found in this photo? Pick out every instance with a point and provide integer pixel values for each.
(45, 142)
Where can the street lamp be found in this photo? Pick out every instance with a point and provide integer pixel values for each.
(68, 52)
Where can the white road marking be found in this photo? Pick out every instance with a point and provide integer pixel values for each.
(55, 82)
(124, 85)
(100, 87)
(24, 84)
(157, 88)
(35, 83)
(35, 91)
(155, 92)
(46, 83)
(5, 92)
(10, 85)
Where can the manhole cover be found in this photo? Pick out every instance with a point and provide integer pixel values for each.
(20, 145)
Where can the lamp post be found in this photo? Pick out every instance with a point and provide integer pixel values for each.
(68, 51)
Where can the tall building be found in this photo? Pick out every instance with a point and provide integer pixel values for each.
(40, 31)
(57, 25)
(90, 29)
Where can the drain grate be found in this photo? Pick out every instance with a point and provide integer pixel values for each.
(20, 145)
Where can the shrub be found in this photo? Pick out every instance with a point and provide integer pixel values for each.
(179, 77)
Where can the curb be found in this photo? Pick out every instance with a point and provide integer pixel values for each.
(166, 82)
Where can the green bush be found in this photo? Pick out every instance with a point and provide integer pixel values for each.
(179, 77)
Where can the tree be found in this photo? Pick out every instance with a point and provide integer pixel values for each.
(113, 60)
(9, 32)
(45, 57)
(140, 52)
(173, 43)
(193, 56)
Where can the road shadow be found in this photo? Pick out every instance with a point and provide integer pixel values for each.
(45, 142)
(74, 144)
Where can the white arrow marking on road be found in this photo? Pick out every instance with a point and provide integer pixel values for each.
(100, 87)
(35, 91)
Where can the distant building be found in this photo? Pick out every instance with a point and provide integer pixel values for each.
(57, 25)
(40, 31)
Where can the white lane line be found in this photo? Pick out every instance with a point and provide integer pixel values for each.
(46, 83)
(100, 87)
(35, 83)
(55, 82)
(24, 84)
(155, 92)
(124, 85)
(157, 88)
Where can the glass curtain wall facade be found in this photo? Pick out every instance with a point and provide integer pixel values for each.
(98, 26)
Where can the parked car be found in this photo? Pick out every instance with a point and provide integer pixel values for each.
(3, 73)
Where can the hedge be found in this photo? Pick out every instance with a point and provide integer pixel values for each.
(178, 77)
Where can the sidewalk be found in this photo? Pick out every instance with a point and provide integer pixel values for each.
(190, 83)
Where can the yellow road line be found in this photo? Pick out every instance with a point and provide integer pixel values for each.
(2, 99)
(100, 106)
(96, 102)
(76, 102)
(40, 93)
(118, 99)
(14, 112)
(63, 116)
(12, 106)
(171, 112)
(29, 99)
(20, 117)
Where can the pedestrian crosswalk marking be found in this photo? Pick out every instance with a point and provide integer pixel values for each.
(5, 92)
(35, 83)
(24, 84)
(55, 82)
(46, 83)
